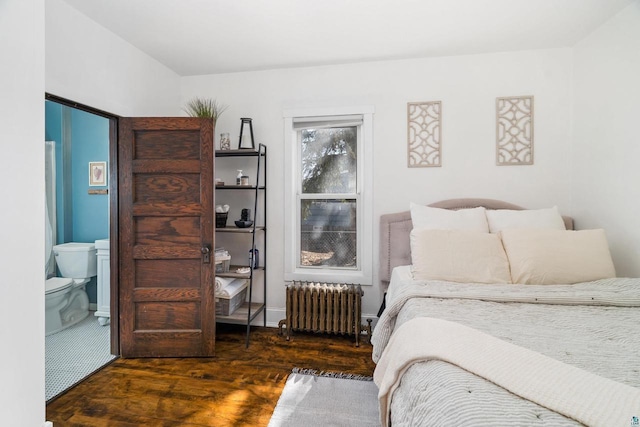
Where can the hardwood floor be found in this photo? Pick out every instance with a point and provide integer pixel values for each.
(239, 387)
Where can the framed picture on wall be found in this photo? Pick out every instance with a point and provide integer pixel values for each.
(97, 174)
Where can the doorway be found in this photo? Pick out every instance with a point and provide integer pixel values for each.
(80, 141)
(172, 186)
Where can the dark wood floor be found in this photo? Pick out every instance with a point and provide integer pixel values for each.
(238, 387)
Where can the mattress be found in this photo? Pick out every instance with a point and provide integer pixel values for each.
(592, 326)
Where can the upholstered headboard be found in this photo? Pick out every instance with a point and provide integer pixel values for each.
(396, 227)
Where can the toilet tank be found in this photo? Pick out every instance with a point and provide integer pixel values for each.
(76, 260)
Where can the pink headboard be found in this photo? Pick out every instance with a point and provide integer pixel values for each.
(396, 227)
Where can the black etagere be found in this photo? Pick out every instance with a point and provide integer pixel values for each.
(250, 309)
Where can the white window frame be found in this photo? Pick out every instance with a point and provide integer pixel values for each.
(363, 273)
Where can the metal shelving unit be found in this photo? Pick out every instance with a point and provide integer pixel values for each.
(249, 309)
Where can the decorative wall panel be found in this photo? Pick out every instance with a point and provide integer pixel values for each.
(514, 130)
(424, 124)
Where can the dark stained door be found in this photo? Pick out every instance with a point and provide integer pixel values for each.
(165, 214)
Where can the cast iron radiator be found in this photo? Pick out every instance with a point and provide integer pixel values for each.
(324, 307)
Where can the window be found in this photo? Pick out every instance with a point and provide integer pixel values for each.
(328, 196)
(328, 219)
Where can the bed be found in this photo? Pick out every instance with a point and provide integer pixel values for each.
(493, 353)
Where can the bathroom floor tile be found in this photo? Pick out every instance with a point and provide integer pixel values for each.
(74, 353)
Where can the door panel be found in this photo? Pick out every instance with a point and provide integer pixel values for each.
(151, 230)
(166, 188)
(159, 273)
(166, 211)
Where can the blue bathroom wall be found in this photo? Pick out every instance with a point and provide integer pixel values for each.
(81, 217)
(89, 143)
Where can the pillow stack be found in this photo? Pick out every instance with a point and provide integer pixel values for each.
(458, 256)
(446, 219)
(503, 219)
(551, 257)
(504, 246)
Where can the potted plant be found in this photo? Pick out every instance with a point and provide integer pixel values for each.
(204, 107)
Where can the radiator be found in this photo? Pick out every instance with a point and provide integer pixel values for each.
(324, 308)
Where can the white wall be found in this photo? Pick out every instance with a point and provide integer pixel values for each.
(22, 213)
(88, 64)
(606, 172)
(84, 63)
(467, 86)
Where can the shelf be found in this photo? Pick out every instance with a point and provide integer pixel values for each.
(240, 315)
(233, 275)
(238, 187)
(247, 230)
(245, 152)
(250, 309)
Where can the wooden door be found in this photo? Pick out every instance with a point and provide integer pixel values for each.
(165, 215)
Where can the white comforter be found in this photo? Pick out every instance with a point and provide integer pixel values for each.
(593, 326)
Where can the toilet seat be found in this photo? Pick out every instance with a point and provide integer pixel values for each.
(56, 284)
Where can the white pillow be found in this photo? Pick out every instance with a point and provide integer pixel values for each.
(458, 256)
(501, 219)
(446, 219)
(548, 257)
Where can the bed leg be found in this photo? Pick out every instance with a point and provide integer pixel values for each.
(362, 328)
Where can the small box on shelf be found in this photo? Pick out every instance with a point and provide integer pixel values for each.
(221, 219)
(222, 260)
(226, 305)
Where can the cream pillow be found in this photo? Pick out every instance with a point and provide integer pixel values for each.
(458, 256)
(547, 257)
(446, 219)
(501, 219)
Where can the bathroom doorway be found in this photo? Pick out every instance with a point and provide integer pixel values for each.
(78, 152)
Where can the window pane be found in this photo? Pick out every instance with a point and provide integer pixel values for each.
(329, 160)
(328, 233)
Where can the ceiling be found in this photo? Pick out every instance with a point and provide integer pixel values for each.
(194, 37)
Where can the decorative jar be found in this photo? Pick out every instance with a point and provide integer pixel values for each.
(225, 141)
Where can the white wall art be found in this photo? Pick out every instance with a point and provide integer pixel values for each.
(424, 143)
(514, 130)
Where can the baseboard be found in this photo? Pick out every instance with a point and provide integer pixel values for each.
(93, 306)
(274, 316)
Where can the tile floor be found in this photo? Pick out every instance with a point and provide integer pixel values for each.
(74, 353)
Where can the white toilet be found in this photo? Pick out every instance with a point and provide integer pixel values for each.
(66, 300)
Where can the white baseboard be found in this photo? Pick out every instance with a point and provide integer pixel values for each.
(93, 306)
(274, 316)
